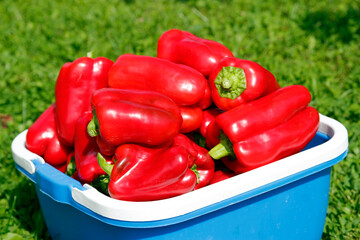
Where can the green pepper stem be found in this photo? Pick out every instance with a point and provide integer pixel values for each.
(71, 167)
(194, 169)
(90, 54)
(104, 164)
(223, 149)
(226, 84)
(91, 128)
(219, 151)
(230, 82)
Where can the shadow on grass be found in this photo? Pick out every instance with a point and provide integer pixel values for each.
(326, 24)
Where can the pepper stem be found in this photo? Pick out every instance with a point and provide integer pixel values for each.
(90, 54)
(226, 84)
(230, 82)
(194, 169)
(219, 151)
(223, 149)
(104, 164)
(91, 128)
(71, 167)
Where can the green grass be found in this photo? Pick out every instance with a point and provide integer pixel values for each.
(312, 43)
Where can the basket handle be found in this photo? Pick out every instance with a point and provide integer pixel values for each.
(23, 157)
(50, 180)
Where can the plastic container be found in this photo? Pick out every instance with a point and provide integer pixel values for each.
(286, 199)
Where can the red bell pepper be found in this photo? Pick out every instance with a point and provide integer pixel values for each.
(146, 174)
(186, 86)
(206, 100)
(192, 118)
(43, 140)
(86, 151)
(265, 130)
(212, 135)
(208, 128)
(221, 175)
(209, 116)
(256, 151)
(67, 166)
(235, 81)
(62, 168)
(134, 116)
(105, 148)
(75, 84)
(204, 164)
(186, 48)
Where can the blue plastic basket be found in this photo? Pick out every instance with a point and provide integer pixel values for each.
(286, 199)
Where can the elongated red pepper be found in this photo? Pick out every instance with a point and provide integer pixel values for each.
(43, 140)
(134, 116)
(186, 86)
(265, 130)
(235, 81)
(75, 84)
(146, 174)
(86, 151)
(204, 164)
(186, 48)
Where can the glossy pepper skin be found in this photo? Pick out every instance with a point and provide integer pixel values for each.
(205, 165)
(206, 100)
(212, 135)
(186, 48)
(208, 127)
(221, 175)
(147, 174)
(134, 116)
(266, 130)
(192, 118)
(209, 116)
(234, 82)
(184, 85)
(86, 151)
(257, 151)
(43, 140)
(105, 148)
(74, 86)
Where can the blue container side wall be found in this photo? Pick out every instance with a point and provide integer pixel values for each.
(291, 208)
(320, 138)
(294, 211)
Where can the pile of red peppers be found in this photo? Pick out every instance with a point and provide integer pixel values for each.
(147, 128)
